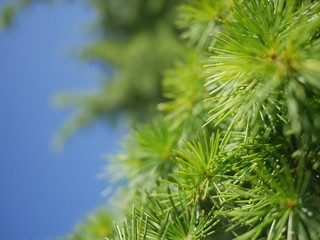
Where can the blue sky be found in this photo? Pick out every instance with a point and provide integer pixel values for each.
(43, 193)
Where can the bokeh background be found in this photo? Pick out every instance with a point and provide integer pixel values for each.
(44, 191)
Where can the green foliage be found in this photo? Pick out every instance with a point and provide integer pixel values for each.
(248, 169)
(266, 68)
(201, 18)
(138, 42)
(259, 175)
(96, 226)
(147, 156)
(273, 197)
(185, 105)
(173, 219)
(201, 164)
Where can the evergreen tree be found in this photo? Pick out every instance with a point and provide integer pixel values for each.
(235, 152)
